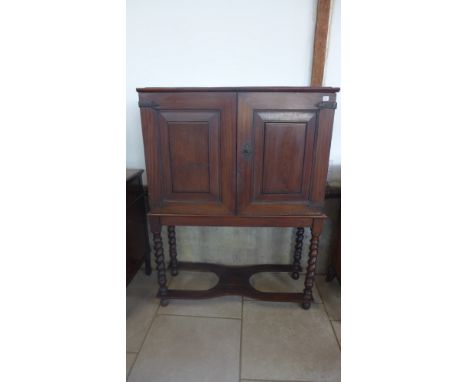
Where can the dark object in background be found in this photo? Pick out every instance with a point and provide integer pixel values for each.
(138, 249)
(334, 268)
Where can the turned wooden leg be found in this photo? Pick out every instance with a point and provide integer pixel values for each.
(297, 253)
(316, 230)
(160, 266)
(172, 250)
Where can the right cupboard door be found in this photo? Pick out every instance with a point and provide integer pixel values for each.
(283, 149)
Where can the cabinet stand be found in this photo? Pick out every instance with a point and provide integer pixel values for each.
(235, 280)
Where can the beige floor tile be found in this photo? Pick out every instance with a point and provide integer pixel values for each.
(229, 306)
(331, 296)
(337, 329)
(130, 360)
(280, 282)
(281, 341)
(197, 349)
(141, 308)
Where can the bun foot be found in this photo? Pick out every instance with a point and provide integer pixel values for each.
(306, 305)
(295, 275)
(164, 302)
(174, 272)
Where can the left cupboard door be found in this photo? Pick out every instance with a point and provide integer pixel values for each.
(190, 152)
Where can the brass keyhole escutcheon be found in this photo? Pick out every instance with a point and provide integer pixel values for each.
(247, 150)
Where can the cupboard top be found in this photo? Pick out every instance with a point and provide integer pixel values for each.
(295, 89)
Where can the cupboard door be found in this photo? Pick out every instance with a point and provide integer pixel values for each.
(190, 152)
(283, 148)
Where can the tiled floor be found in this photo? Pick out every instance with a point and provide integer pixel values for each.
(232, 339)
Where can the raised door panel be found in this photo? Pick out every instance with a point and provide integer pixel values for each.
(190, 155)
(190, 152)
(283, 148)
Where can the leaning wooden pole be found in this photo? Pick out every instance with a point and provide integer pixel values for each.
(320, 41)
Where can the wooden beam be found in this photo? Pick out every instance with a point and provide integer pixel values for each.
(320, 41)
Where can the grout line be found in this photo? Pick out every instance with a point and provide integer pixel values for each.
(323, 300)
(240, 344)
(334, 333)
(320, 294)
(191, 315)
(144, 338)
(131, 367)
(328, 315)
(336, 337)
(333, 328)
(325, 306)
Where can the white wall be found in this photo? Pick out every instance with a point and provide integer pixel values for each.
(228, 43)
(332, 77)
(222, 43)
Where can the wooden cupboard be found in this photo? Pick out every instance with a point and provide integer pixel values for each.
(236, 157)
